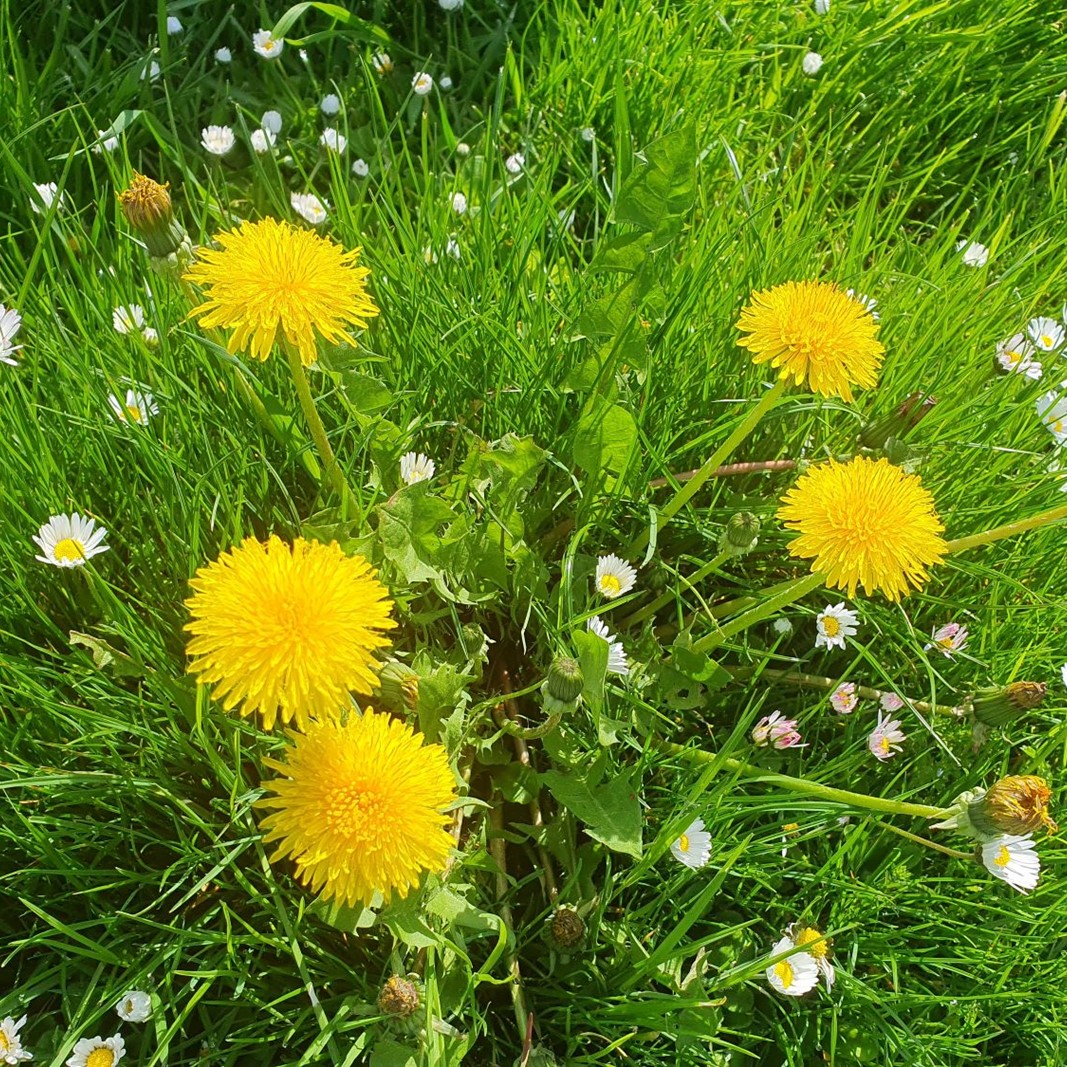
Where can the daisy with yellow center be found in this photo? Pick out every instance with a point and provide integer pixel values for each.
(70, 540)
(814, 333)
(361, 808)
(833, 624)
(270, 276)
(866, 523)
(614, 576)
(797, 974)
(287, 630)
(693, 847)
(812, 941)
(11, 1048)
(97, 1052)
(1012, 859)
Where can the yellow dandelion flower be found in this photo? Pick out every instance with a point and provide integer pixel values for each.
(360, 808)
(286, 630)
(866, 523)
(815, 333)
(269, 275)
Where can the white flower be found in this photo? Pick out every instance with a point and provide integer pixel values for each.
(782, 626)
(360, 168)
(97, 1052)
(1063, 674)
(10, 324)
(150, 71)
(303, 54)
(834, 623)
(868, 302)
(775, 729)
(614, 576)
(445, 82)
(891, 702)
(617, 661)
(1046, 333)
(272, 121)
(266, 46)
(151, 337)
(134, 1007)
(223, 55)
(588, 134)
(333, 141)
(429, 254)
(463, 149)
(1052, 410)
(262, 141)
(105, 142)
(47, 194)
(139, 407)
(450, 5)
(69, 540)
(218, 140)
(308, 206)
(381, 63)
(811, 64)
(822, 7)
(974, 254)
(330, 104)
(884, 741)
(11, 1050)
(415, 467)
(693, 847)
(795, 976)
(514, 163)
(843, 699)
(1016, 355)
(459, 203)
(422, 83)
(452, 248)
(174, 25)
(128, 319)
(1013, 859)
(948, 639)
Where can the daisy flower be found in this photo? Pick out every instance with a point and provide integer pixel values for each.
(272, 121)
(381, 63)
(776, 730)
(587, 134)
(974, 254)
(796, 975)
(1047, 334)
(811, 64)
(105, 142)
(818, 947)
(514, 163)
(309, 207)
(834, 623)
(1015, 355)
(422, 83)
(47, 194)
(223, 55)
(69, 540)
(1063, 674)
(262, 141)
(869, 302)
(452, 248)
(890, 702)
(174, 25)
(10, 324)
(815, 334)
(885, 738)
(128, 319)
(134, 1006)
(864, 523)
(444, 83)
(948, 639)
(822, 7)
(1012, 859)
(617, 661)
(333, 141)
(138, 408)
(843, 699)
(266, 46)
(450, 5)
(415, 467)
(330, 104)
(11, 1050)
(614, 576)
(459, 203)
(1052, 410)
(218, 140)
(360, 168)
(151, 71)
(693, 847)
(360, 807)
(783, 627)
(97, 1052)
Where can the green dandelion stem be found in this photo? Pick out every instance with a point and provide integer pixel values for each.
(498, 850)
(530, 733)
(955, 852)
(665, 598)
(812, 789)
(998, 533)
(692, 485)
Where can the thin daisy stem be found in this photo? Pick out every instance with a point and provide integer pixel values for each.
(692, 486)
(926, 841)
(315, 426)
(727, 469)
(998, 533)
(812, 789)
(665, 598)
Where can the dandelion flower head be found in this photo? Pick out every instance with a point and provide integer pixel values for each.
(270, 275)
(360, 809)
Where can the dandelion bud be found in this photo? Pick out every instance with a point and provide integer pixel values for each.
(399, 997)
(741, 534)
(398, 687)
(147, 207)
(897, 424)
(563, 687)
(1017, 805)
(1004, 704)
(566, 928)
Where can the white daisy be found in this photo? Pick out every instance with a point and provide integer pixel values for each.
(218, 140)
(463, 149)
(444, 82)
(11, 1050)
(128, 319)
(817, 946)
(1046, 333)
(139, 407)
(459, 203)
(266, 46)
(891, 702)
(811, 64)
(134, 1006)
(47, 194)
(97, 1052)
(381, 63)
(885, 739)
(174, 25)
(422, 83)
(693, 847)
(150, 71)
(452, 248)
(1013, 860)
(330, 104)
(69, 540)
(796, 975)
(514, 163)
(333, 141)
(415, 467)
(617, 661)
(223, 55)
(868, 302)
(614, 576)
(308, 206)
(450, 5)
(151, 336)
(822, 7)
(843, 699)
(1063, 674)
(272, 120)
(782, 626)
(974, 254)
(105, 142)
(10, 324)
(1015, 355)
(948, 639)
(262, 141)
(1052, 410)
(834, 623)
(360, 168)
(588, 134)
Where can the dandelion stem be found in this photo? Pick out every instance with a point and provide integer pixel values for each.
(689, 490)
(813, 789)
(728, 469)
(926, 841)
(961, 544)
(498, 850)
(666, 598)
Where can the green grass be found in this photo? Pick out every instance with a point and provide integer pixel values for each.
(130, 850)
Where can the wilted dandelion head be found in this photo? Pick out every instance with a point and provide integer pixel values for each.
(145, 202)
(269, 275)
(287, 630)
(1018, 804)
(360, 808)
(813, 332)
(866, 523)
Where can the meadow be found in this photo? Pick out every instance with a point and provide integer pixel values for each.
(601, 585)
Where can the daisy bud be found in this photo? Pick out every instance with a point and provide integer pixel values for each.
(398, 687)
(563, 687)
(1005, 704)
(399, 997)
(566, 928)
(1016, 805)
(147, 207)
(741, 534)
(897, 424)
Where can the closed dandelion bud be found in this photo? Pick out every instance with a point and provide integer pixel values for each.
(1004, 704)
(563, 687)
(741, 534)
(897, 424)
(398, 687)
(566, 928)
(399, 997)
(147, 207)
